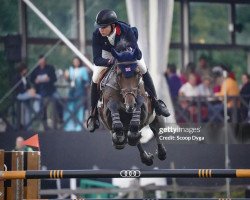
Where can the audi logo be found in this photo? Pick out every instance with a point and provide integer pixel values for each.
(130, 173)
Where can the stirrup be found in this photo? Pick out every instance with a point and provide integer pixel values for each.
(162, 103)
(160, 107)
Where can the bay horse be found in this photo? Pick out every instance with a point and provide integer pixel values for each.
(125, 107)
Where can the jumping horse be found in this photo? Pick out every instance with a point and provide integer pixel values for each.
(125, 107)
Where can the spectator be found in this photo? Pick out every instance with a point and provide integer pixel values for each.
(203, 68)
(20, 146)
(25, 93)
(205, 92)
(189, 89)
(231, 74)
(78, 77)
(217, 72)
(204, 89)
(230, 88)
(190, 68)
(44, 78)
(245, 95)
(173, 80)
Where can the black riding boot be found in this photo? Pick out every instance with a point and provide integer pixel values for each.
(159, 105)
(93, 122)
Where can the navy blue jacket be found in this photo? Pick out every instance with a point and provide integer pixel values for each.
(21, 88)
(47, 88)
(99, 43)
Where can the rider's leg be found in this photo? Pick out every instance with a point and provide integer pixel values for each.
(92, 122)
(159, 105)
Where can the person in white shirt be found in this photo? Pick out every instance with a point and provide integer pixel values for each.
(189, 89)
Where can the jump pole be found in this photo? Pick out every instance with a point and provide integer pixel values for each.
(167, 173)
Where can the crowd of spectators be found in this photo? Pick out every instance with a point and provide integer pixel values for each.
(39, 97)
(209, 86)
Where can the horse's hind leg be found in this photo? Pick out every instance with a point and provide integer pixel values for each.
(118, 136)
(154, 126)
(146, 158)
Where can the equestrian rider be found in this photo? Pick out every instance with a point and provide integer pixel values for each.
(108, 33)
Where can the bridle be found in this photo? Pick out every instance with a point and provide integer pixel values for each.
(125, 91)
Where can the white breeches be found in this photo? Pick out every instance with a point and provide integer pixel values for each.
(98, 70)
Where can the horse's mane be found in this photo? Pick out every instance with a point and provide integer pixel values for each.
(122, 45)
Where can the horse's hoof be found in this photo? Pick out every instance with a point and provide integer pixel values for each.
(161, 152)
(133, 138)
(147, 158)
(119, 139)
(119, 146)
(162, 156)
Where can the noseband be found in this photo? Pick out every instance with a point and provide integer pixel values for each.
(133, 91)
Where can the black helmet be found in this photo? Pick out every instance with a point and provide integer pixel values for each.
(105, 18)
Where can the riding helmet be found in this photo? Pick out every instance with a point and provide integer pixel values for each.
(105, 18)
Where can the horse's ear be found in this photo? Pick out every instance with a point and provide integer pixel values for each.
(115, 54)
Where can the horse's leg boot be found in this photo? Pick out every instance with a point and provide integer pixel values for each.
(133, 134)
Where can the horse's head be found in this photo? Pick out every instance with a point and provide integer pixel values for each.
(128, 76)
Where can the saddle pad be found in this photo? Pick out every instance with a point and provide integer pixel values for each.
(109, 80)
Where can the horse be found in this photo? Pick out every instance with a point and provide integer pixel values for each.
(125, 107)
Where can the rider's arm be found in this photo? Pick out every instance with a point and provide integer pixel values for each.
(97, 52)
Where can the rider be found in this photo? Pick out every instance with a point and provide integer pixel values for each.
(108, 33)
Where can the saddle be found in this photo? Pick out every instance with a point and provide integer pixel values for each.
(109, 80)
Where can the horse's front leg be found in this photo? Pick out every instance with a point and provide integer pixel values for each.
(134, 135)
(118, 136)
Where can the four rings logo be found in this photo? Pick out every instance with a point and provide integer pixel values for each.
(130, 173)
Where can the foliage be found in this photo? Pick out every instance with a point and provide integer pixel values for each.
(9, 17)
(243, 18)
(60, 57)
(209, 25)
(62, 14)
(176, 26)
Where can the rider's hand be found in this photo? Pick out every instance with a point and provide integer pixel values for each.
(111, 62)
